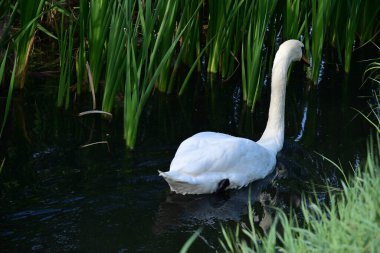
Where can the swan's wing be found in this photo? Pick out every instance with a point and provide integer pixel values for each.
(212, 155)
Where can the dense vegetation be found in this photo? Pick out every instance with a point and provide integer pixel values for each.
(131, 48)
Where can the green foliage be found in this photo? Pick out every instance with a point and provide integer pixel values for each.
(168, 35)
(321, 15)
(190, 241)
(190, 49)
(222, 23)
(349, 224)
(100, 12)
(140, 45)
(368, 20)
(7, 16)
(253, 69)
(294, 19)
(351, 27)
(81, 53)
(65, 44)
(142, 68)
(116, 52)
(30, 11)
(9, 96)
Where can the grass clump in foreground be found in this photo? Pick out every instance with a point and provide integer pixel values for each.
(350, 223)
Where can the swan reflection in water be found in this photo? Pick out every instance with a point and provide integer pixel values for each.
(188, 212)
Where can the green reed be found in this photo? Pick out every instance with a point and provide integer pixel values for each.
(253, 60)
(190, 43)
(65, 44)
(190, 50)
(220, 28)
(29, 11)
(321, 15)
(166, 41)
(368, 20)
(2, 66)
(143, 62)
(7, 15)
(294, 19)
(116, 52)
(10, 89)
(99, 20)
(80, 63)
(234, 32)
(354, 8)
(185, 18)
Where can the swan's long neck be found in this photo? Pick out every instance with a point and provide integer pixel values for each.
(273, 136)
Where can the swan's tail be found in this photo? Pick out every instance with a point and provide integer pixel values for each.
(178, 185)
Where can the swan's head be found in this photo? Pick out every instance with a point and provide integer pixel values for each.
(292, 50)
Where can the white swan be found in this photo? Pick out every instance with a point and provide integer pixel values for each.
(209, 162)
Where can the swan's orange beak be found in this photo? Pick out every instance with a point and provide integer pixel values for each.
(305, 60)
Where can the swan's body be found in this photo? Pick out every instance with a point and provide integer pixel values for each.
(208, 161)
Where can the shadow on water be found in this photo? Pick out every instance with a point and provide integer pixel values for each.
(58, 197)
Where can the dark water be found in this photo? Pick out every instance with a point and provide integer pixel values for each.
(58, 197)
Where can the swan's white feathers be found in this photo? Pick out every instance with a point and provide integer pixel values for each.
(206, 158)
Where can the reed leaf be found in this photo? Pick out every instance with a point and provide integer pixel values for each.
(80, 63)
(29, 13)
(99, 19)
(9, 96)
(321, 14)
(2, 66)
(220, 25)
(115, 56)
(352, 24)
(252, 50)
(144, 64)
(294, 19)
(66, 44)
(368, 20)
(189, 52)
(168, 19)
(8, 19)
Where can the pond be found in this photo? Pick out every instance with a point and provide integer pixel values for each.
(57, 196)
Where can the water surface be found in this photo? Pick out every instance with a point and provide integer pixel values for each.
(58, 197)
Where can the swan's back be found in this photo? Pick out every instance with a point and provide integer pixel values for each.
(207, 158)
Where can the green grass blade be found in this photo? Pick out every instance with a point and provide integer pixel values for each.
(190, 241)
(9, 97)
